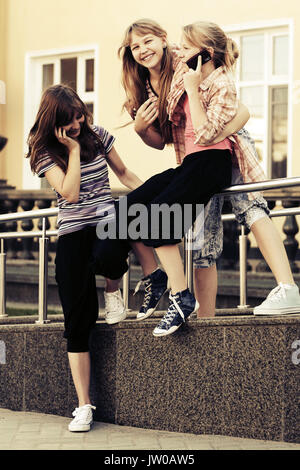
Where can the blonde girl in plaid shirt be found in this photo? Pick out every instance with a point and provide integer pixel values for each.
(284, 299)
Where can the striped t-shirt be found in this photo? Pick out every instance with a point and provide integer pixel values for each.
(95, 201)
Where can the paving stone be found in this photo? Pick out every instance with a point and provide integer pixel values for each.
(36, 431)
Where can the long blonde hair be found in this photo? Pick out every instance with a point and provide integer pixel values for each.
(204, 34)
(134, 75)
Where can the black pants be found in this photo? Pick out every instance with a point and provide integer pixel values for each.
(195, 181)
(76, 257)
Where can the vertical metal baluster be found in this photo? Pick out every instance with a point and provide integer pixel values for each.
(243, 268)
(2, 281)
(188, 259)
(126, 282)
(43, 275)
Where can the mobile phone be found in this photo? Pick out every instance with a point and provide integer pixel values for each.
(193, 61)
(3, 141)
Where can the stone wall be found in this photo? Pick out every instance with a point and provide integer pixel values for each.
(234, 376)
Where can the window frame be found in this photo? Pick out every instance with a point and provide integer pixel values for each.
(270, 29)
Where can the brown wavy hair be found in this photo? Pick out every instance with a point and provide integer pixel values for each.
(134, 75)
(59, 105)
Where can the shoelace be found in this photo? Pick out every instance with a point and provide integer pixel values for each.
(113, 301)
(81, 413)
(148, 291)
(146, 280)
(172, 311)
(141, 281)
(278, 293)
(137, 287)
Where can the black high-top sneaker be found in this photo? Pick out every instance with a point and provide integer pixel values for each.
(156, 285)
(181, 306)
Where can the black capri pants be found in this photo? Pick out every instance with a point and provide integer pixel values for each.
(81, 255)
(76, 266)
(195, 181)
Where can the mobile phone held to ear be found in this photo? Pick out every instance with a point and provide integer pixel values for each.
(193, 61)
(3, 141)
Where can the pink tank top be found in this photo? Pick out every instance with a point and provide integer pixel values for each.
(189, 135)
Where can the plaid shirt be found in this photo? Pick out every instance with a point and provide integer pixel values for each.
(218, 95)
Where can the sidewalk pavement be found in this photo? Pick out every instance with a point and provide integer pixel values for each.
(36, 431)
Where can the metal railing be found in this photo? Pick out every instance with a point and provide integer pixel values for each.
(44, 235)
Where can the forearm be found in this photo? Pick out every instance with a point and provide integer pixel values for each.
(209, 117)
(130, 179)
(71, 183)
(238, 122)
(151, 137)
(198, 113)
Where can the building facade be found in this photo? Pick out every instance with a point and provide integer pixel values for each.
(55, 41)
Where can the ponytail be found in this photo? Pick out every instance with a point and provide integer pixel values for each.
(231, 54)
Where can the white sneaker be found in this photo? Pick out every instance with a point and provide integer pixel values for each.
(114, 307)
(282, 300)
(83, 418)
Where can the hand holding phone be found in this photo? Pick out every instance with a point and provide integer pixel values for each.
(193, 61)
(193, 77)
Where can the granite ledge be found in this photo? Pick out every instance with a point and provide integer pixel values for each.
(130, 323)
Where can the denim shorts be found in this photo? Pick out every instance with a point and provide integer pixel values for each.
(246, 211)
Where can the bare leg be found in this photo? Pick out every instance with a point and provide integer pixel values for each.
(81, 369)
(146, 257)
(206, 285)
(170, 258)
(272, 249)
(112, 285)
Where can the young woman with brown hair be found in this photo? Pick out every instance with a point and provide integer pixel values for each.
(74, 156)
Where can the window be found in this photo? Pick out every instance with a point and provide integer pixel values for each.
(74, 68)
(252, 61)
(280, 55)
(278, 121)
(263, 75)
